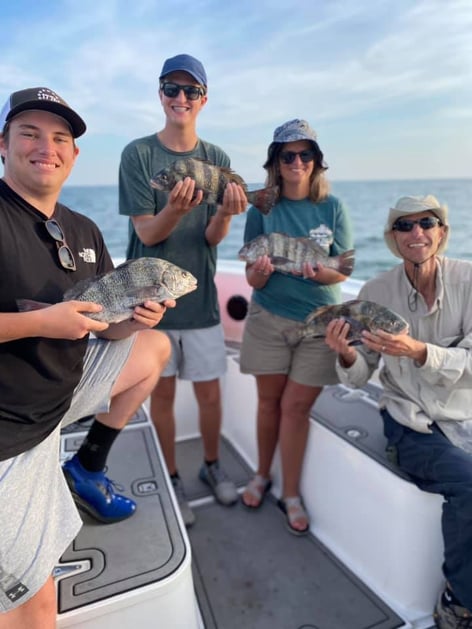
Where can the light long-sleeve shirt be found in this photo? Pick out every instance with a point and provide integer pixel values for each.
(440, 390)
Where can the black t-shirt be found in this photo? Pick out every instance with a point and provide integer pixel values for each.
(38, 375)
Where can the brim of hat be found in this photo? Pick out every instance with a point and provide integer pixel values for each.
(197, 79)
(395, 214)
(75, 122)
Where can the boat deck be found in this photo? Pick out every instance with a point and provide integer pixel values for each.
(249, 571)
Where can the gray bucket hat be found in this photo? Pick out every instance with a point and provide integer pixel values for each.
(414, 205)
(294, 130)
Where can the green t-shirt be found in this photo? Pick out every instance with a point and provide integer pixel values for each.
(291, 296)
(186, 246)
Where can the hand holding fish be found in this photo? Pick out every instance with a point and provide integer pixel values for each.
(234, 200)
(258, 273)
(337, 338)
(68, 320)
(395, 345)
(184, 197)
(150, 313)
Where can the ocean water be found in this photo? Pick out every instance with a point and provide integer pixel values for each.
(367, 202)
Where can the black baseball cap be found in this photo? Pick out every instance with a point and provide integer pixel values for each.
(45, 99)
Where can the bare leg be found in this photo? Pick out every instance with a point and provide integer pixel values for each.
(269, 390)
(39, 612)
(162, 414)
(139, 376)
(208, 396)
(294, 426)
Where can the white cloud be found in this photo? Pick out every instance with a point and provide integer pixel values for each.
(402, 66)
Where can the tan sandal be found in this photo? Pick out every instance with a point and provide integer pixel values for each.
(294, 510)
(257, 489)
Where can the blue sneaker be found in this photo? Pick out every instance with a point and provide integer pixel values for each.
(94, 493)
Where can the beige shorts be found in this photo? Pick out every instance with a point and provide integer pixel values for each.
(266, 351)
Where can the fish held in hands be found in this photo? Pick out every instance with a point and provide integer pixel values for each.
(128, 285)
(212, 181)
(360, 314)
(288, 254)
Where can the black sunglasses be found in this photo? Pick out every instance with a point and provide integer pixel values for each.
(406, 225)
(172, 90)
(66, 257)
(288, 157)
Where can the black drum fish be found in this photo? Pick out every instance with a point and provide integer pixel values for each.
(288, 254)
(212, 180)
(360, 314)
(128, 285)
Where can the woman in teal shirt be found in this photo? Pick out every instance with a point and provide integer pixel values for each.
(290, 377)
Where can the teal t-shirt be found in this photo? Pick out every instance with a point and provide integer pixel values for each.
(291, 296)
(186, 246)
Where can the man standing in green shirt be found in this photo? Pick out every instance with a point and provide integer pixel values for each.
(180, 228)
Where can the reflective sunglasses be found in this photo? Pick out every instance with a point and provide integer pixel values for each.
(172, 90)
(288, 157)
(66, 257)
(406, 225)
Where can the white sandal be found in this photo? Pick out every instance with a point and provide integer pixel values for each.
(256, 488)
(294, 510)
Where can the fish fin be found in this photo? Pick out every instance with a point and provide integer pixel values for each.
(346, 262)
(264, 199)
(280, 260)
(319, 311)
(27, 305)
(231, 174)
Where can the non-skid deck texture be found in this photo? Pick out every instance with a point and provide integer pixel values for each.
(251, 573)
(106, 560)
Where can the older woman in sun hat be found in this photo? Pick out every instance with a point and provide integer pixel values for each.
(427, 379)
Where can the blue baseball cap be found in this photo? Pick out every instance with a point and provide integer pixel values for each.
(45, 99)
(185, 63)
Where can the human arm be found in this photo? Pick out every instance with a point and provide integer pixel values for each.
(60, 321)
(146, 316)
(234, 202)
(152, 229)
(354, 365)
(322, 274)
(258, 273)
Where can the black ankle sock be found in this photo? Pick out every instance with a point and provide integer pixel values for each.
(175, 476)
(96, 446)
(449, 598)
(210, 462)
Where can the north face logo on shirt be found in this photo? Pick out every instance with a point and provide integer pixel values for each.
(88, 255)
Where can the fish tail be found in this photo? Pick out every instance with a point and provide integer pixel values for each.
(27, 305)
(293, 335)
(264, 199)
(346, 262)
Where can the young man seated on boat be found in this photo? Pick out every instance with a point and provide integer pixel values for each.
(427, 379)
(51, 373)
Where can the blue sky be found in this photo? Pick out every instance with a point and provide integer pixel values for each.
(387, 85)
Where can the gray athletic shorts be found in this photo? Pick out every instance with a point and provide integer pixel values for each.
(197, 355)
(265, 351)
(38, 518)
